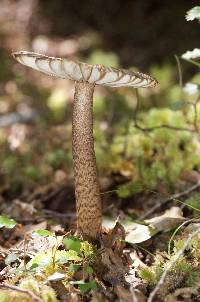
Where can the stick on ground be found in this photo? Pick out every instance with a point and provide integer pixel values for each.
(173, 197)
(21, 290)
(170, 265)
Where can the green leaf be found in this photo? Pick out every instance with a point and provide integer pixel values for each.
(72, 243)
(45, 259)
(61, 257)
(73, 267)
(41, 260)
(42, 233)
(72, 255)
(193, 13)
(3, 296)
(7, 222)
(84, 287)
(89, 270)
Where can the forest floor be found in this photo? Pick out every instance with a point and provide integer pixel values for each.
(149, 249)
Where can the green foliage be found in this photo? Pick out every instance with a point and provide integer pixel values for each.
(185, 271)
(7, 222)
(130, 188)
(42, 233)
(55, 158)
(82, 248)
(84, 287)
(87, 250)
(60, 264)
(45, 292)
(72, 243)
(72, 255)
(159, 157)
(8, 163)
(3, 296)
(150, 275)
(193, 247)
(74, 267)
(32, 173)
(104, 58)
(194, 203)
(49, 261)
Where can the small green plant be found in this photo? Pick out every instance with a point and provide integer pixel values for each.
(41, 291)
(184, 273)
(7, 222)
(59, 262)
(194, 204)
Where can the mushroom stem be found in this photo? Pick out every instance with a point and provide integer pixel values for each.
(87, 190)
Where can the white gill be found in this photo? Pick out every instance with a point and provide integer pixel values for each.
(78, 71)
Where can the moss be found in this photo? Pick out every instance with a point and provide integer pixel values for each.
(194, 203)
(184, 273)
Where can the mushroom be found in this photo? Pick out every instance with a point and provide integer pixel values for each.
(87, 189)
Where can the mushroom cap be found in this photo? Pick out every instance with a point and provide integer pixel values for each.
(78, 71)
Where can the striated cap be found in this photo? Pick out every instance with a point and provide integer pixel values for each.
(82, 72)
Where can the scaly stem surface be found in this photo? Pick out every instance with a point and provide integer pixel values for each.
(87, 191)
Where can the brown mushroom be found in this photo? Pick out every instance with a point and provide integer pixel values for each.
(87, 190)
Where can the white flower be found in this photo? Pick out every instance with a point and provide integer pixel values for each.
(191, 88)
(194, 13)
(195, 53)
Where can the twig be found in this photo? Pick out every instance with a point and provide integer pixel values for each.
(150, 129)
(164, 126)
(180, 74)
(170, 265)
(195, 122)
(24, 291)
(24, 250)
(50, 213)
(134, 296)
(52, 194)
(175, 196)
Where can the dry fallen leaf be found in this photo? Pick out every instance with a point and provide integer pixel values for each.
(21, 210)
(169, 220)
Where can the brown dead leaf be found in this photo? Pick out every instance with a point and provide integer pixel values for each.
(20, 231)
(169, 220)
(60, 177)
(40, 244)
(123, 293)
(21, 210)
(191, 176)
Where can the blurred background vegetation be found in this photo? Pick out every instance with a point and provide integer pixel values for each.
(35, 110)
